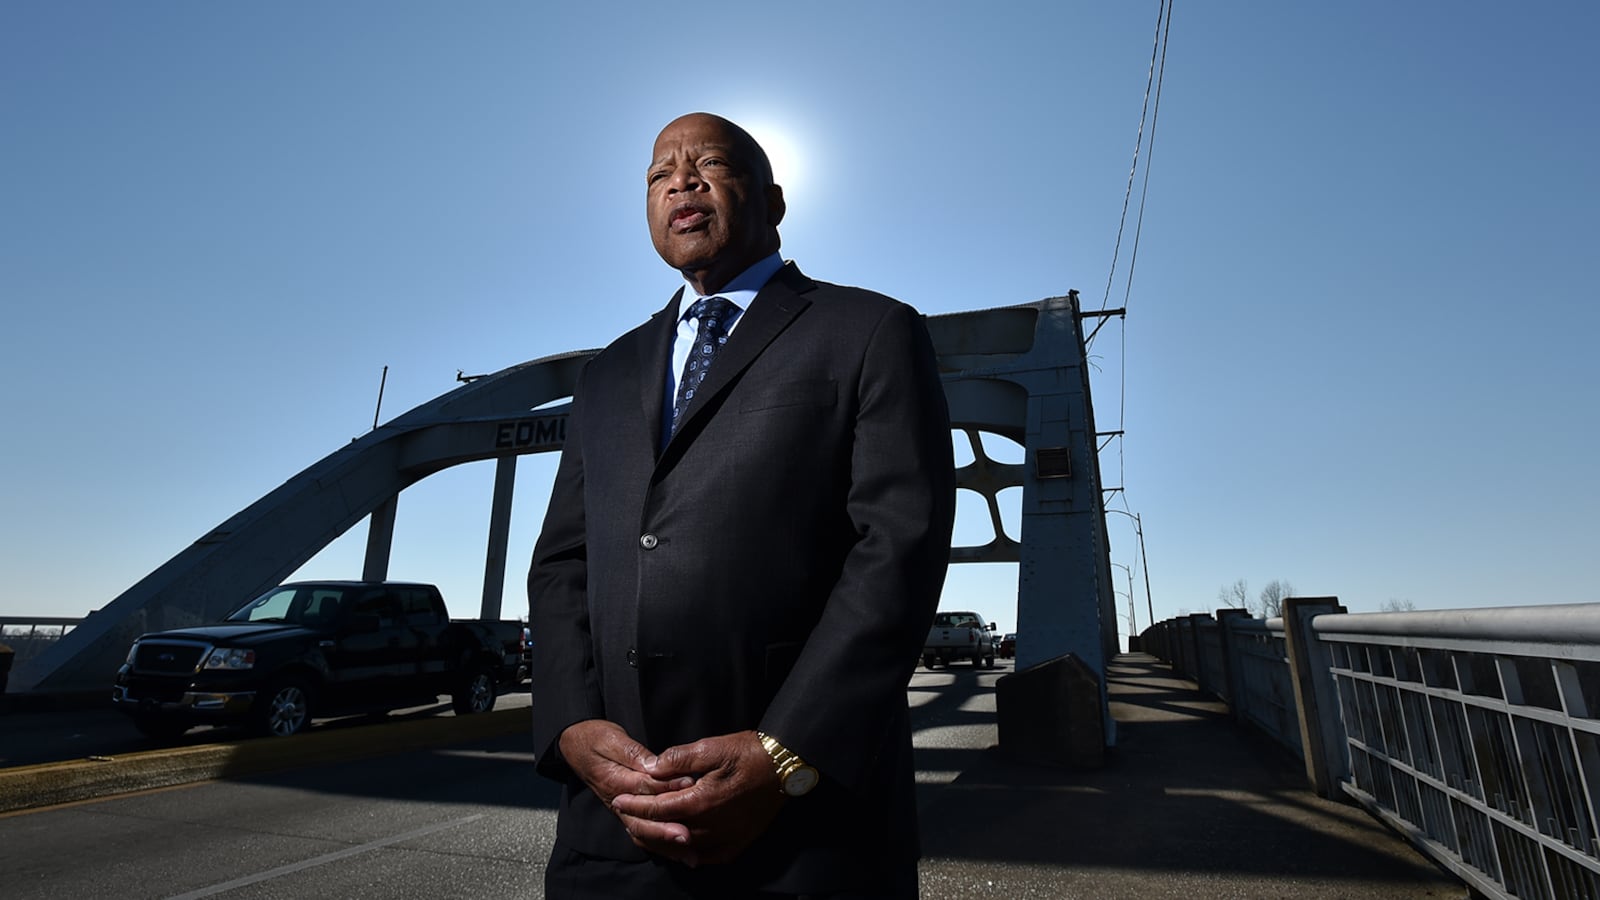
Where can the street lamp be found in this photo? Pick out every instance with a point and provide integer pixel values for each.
(1133, 622)
(1138, 528)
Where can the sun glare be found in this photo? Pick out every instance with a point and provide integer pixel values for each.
(782, 151)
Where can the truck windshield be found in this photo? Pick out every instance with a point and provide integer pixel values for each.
(301, 605)
(955, 620)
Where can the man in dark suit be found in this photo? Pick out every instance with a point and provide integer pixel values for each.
(743, 551)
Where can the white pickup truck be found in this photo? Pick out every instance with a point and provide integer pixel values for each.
(959, 635)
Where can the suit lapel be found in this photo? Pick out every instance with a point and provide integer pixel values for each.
(655, 355)
(769, 314)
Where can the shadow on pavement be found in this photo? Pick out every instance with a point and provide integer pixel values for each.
(1186, 790)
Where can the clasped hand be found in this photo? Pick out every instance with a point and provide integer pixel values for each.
(696, 803)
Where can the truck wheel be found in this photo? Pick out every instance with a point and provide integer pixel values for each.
(977, 661)
(160, 729)
(476, 694)
(282, 709)
(927, 661)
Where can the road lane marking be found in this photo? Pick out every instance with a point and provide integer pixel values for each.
(322, 860)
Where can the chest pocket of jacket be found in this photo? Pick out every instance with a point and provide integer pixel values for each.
(791, 393)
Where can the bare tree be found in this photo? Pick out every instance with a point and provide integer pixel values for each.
(1395, 604)
(1236, 595)
(1270, 600)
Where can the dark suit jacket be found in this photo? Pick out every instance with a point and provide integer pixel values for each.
(775, 567)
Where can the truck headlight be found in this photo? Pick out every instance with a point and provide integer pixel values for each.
(225, 658)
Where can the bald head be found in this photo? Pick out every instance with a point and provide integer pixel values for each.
(711, 203)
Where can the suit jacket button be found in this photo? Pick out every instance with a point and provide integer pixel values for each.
(633, 657)
(648, 541)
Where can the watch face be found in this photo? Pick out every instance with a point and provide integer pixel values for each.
(800, 781)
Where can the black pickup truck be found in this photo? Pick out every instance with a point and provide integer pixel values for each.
(320, 648)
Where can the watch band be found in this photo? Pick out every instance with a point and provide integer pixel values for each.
(795, 778)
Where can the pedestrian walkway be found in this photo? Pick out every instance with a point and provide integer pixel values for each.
(1189, 805)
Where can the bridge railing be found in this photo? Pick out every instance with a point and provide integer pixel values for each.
(1474, 733)
(29, 636)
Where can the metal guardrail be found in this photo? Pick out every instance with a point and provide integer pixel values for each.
(1264, 692)
(1474, 733)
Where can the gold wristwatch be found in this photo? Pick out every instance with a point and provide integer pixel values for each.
(795, 778)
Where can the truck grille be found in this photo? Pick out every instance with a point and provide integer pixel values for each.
(169, 657)
(155, 690)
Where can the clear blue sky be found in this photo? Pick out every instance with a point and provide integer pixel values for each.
(1358, 347)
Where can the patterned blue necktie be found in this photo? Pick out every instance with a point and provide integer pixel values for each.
(712, 314)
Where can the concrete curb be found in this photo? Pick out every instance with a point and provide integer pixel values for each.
(48, 784)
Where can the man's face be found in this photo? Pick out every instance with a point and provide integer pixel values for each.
(712, 213)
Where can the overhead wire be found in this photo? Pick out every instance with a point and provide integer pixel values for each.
(1156, 53)
(1144, 190)
(1149, 113)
